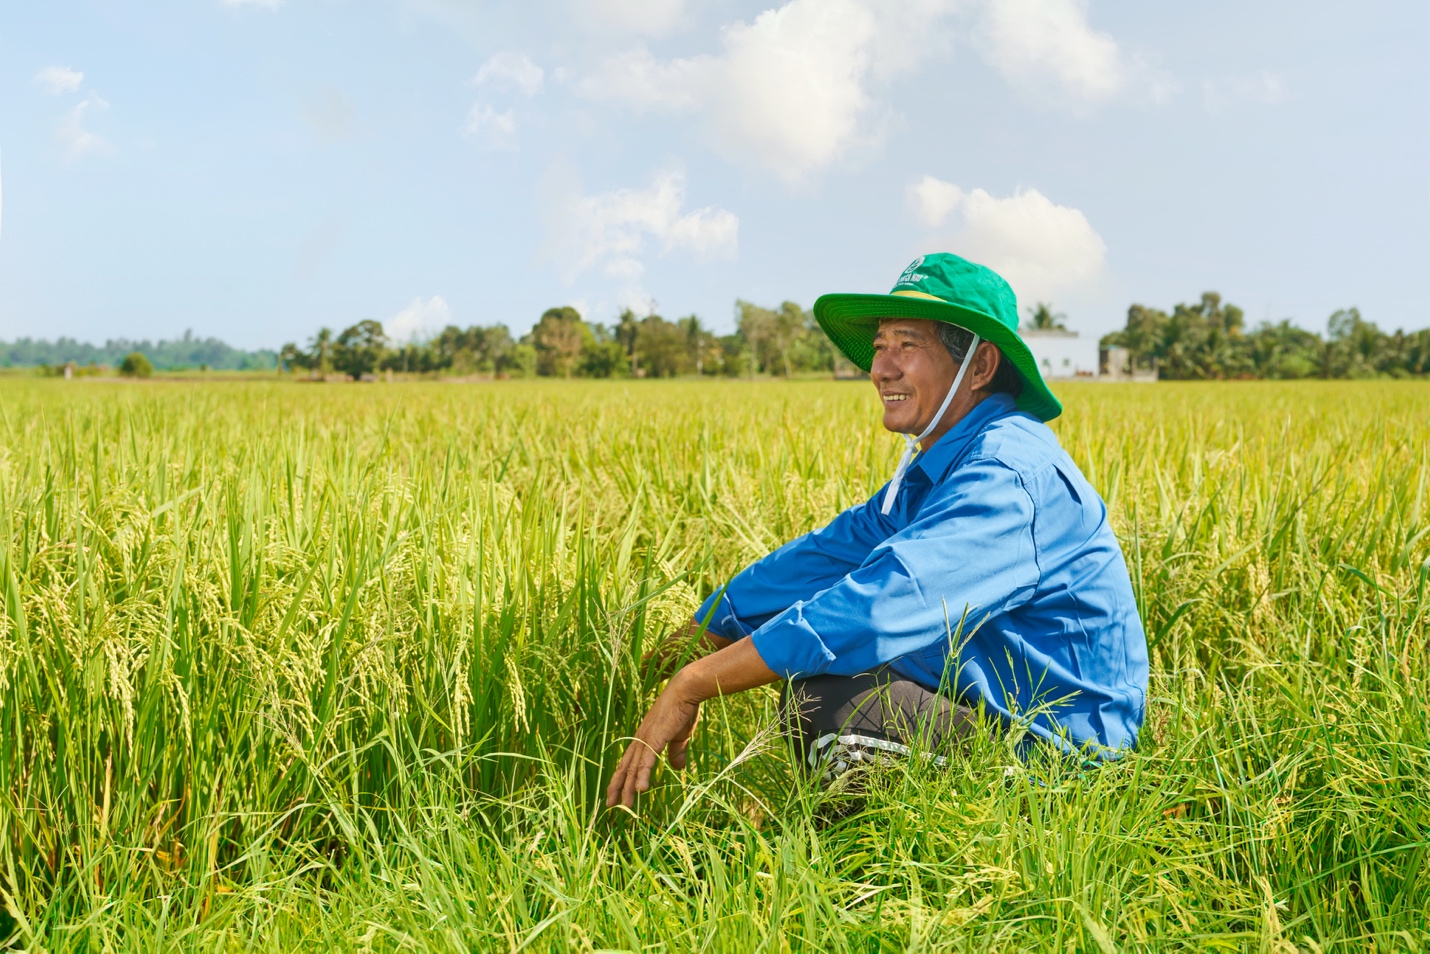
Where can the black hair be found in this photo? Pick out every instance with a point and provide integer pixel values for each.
(1006, 380)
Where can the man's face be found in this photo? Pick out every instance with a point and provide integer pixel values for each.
(912, 371)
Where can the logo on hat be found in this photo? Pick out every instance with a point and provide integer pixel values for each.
(911, 274)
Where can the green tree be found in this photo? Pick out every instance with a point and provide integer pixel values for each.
(135, 365)
(771, 333)
(559, 338)
(1208, 340)
(700, 345)
(520, 361)
(444, 346)
(469, 351)
(1355, 348)
(493, 346)
(317, 359)
(1407, 354)
(736, 359)
(663, 348)
(291, 357)
(626, 333)
(603, 357)
(1142, 335)
(789, 327)
(360, 349)
(410, 358)
(320, 351)
(1195, 341)
(1284, 351)
(811, 349)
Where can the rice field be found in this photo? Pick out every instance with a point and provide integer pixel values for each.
(297, 666)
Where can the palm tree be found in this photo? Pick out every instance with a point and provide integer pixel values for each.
(1042, 318)
(322, 350)
(696, 339)
(626, 332)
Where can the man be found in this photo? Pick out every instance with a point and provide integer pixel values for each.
(983, 578)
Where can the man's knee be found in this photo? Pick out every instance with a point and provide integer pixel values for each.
(867, 718)
(809, 703)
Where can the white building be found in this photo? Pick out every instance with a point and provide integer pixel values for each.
(1117, 365)
(1062, 354)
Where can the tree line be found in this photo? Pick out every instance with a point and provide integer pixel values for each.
(783, 341)
(1209, 340)
(169, 355)
(1204, 340)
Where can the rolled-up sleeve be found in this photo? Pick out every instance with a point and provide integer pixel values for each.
(971, 547)
(796, 571)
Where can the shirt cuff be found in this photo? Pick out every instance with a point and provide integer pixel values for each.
(791, 647)
(723, 621)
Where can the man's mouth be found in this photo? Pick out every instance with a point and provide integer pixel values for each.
(895, 397)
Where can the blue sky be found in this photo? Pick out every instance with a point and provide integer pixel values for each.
(256, 169)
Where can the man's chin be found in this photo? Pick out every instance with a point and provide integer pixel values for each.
(897, 423)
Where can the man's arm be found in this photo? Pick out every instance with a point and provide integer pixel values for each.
(672, 719)
(690, 641)
(971, 547)
(796, 571)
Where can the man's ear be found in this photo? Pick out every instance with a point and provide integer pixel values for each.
(985, 365)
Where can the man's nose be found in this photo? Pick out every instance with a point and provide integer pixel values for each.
(883, 368)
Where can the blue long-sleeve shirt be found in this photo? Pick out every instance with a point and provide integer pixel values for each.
(994, 520)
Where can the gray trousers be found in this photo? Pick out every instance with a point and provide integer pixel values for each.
(840, 722)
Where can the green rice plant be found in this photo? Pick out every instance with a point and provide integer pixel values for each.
(285, 665)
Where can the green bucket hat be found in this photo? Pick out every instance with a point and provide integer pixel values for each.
(940, 287)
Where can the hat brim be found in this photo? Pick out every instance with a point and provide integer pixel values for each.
(851, 321)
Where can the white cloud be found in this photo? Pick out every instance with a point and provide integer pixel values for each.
(933, 199)
(643, 17)
(638, 79)
(419, 320)
(495, 130)
(1263, 88)
(798, 86)
(513, 68)
(59, 79)
(1033, 42)
(78, 140)
(1041, 248)
(614, 232)
(1047, 49)
(261, 4)
(788, 90)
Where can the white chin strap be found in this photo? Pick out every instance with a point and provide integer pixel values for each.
(910, 441)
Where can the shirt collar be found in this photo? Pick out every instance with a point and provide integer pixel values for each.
(936, 461)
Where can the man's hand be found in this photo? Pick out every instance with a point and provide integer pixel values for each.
(669, 723)
(680, 646)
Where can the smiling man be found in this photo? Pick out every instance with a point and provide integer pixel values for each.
(981, 588)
